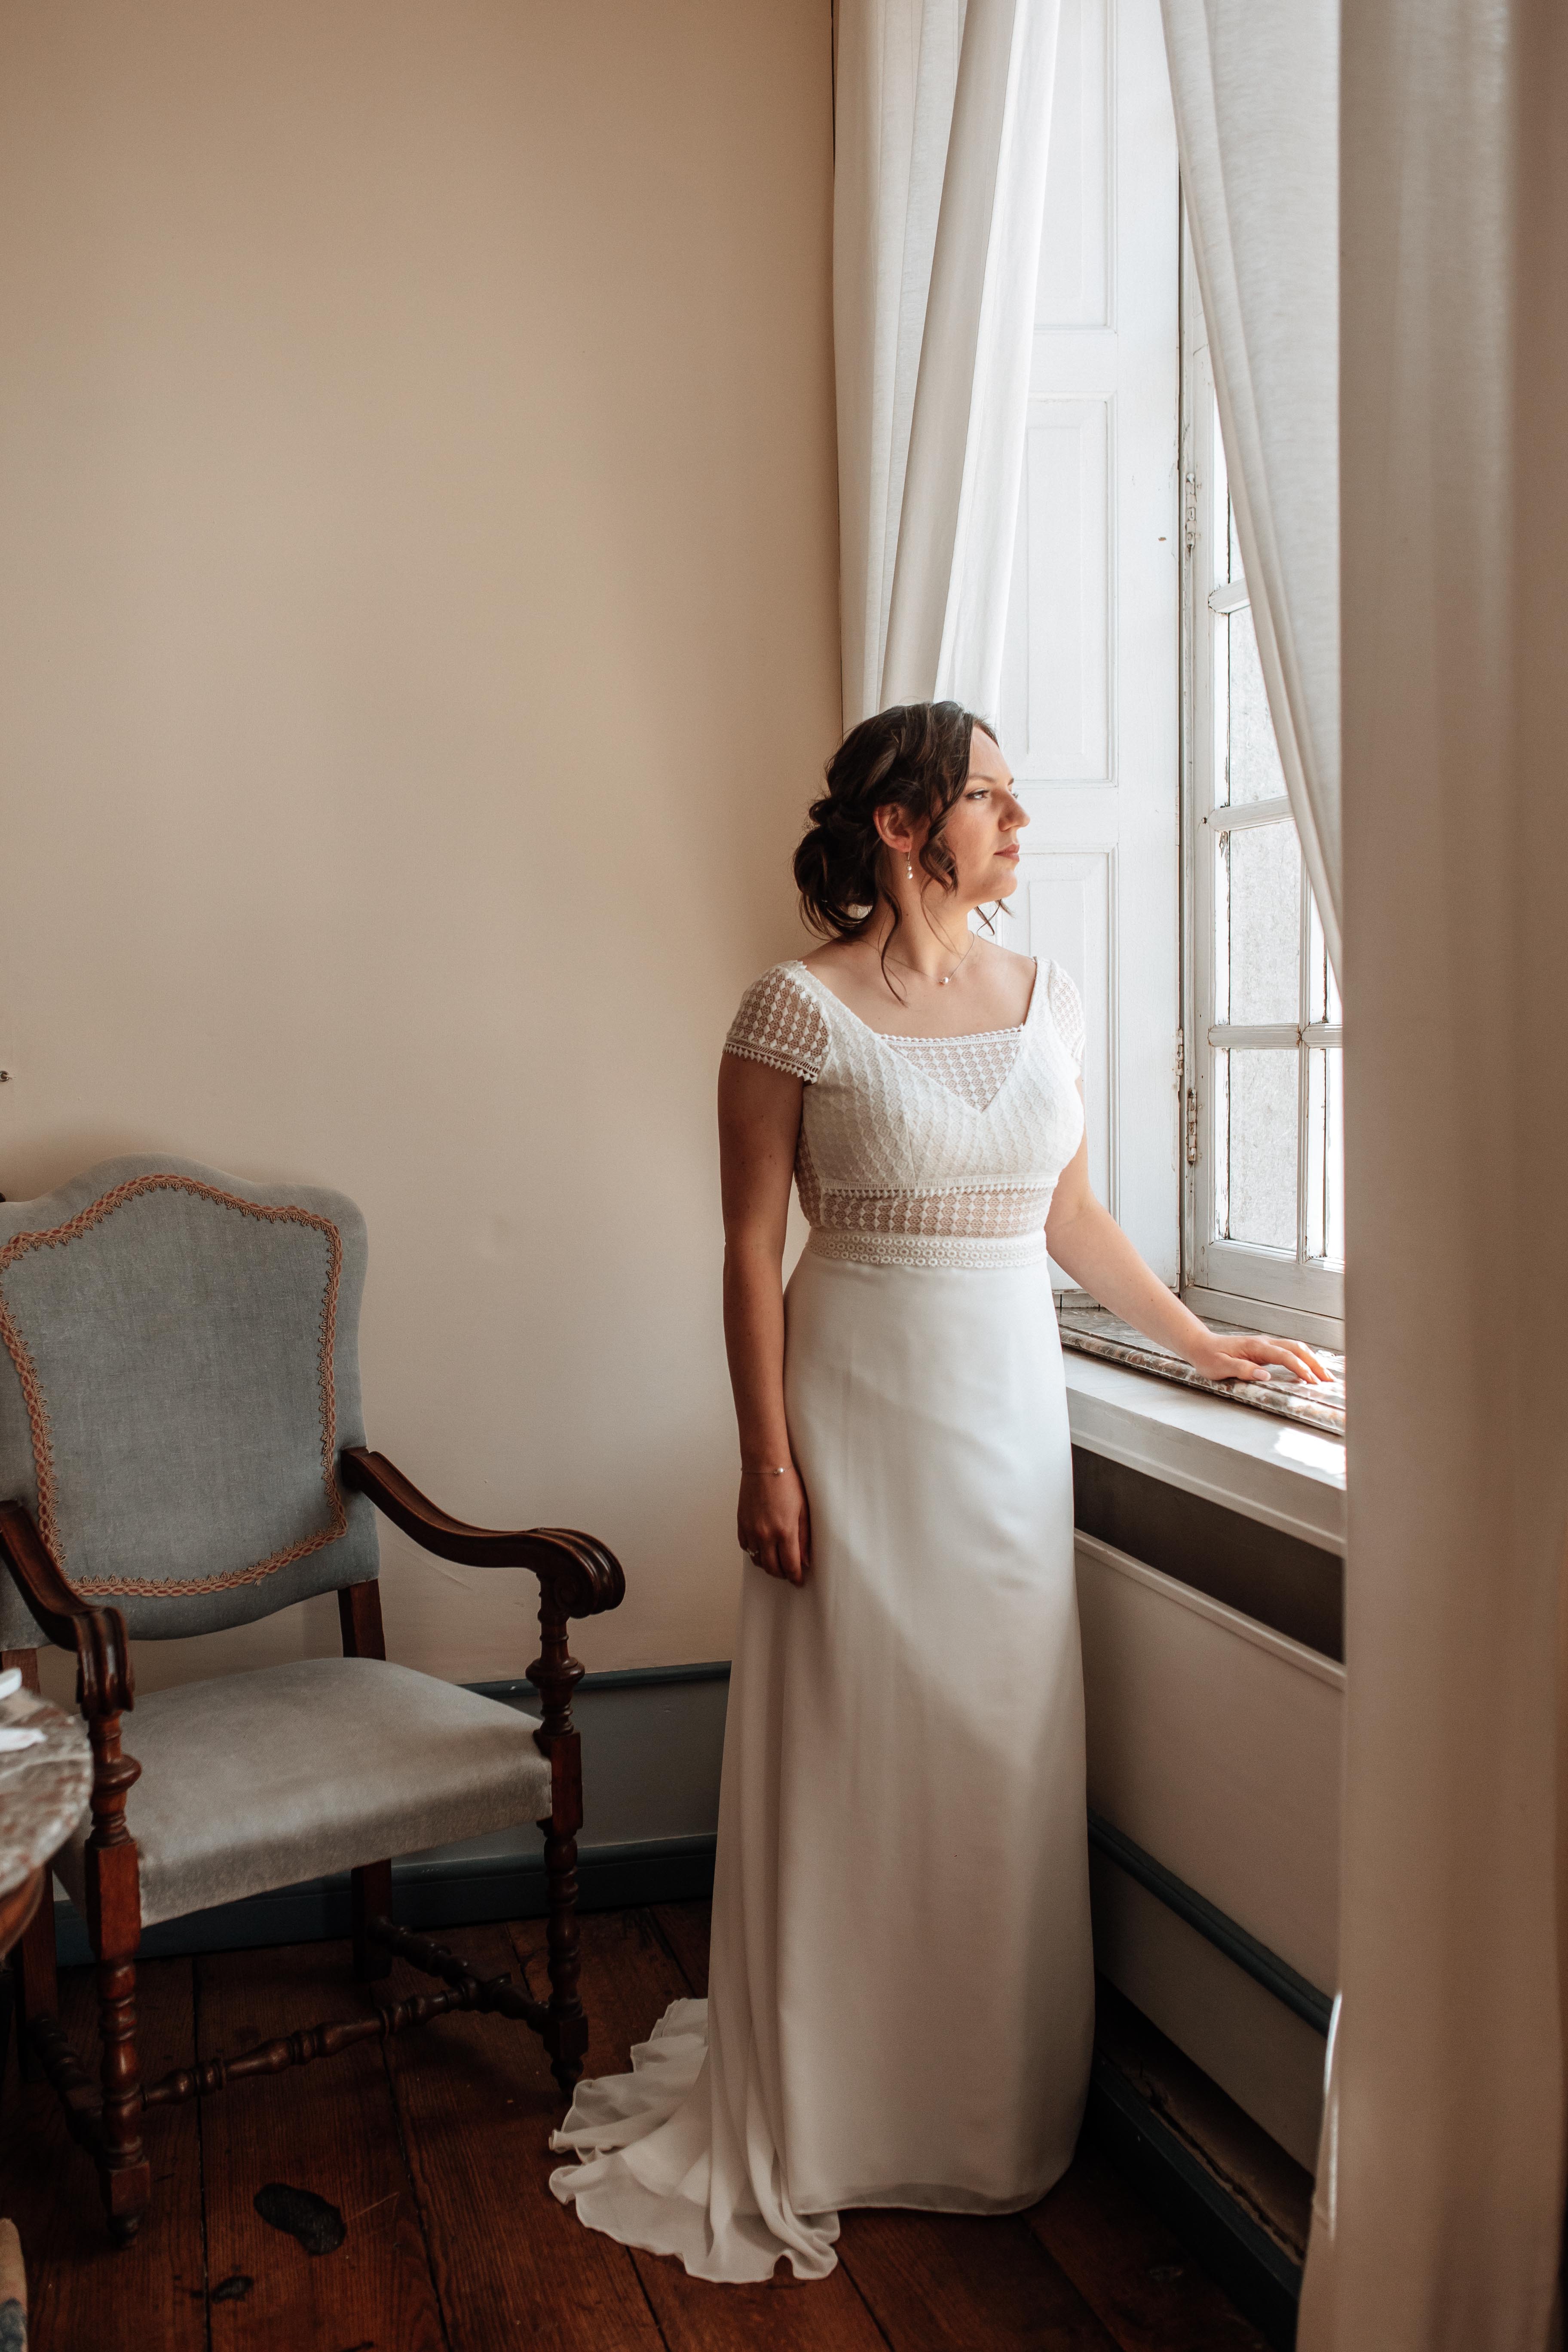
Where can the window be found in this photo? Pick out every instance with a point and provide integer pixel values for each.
(1090, 708)
(1263, 1231)
(1133, 712)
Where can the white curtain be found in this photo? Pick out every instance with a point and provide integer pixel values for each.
(1256, 85)
(943, 114)
(1440, 2204)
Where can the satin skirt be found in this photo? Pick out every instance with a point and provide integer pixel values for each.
(901, 1999)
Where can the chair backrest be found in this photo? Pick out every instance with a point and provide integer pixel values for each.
(180, 1365)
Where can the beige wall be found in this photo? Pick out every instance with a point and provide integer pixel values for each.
(418, 640)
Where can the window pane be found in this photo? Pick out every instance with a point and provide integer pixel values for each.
(1219, 782)
(1325, 1155)
(1334, 1172)
(1257, 919)
(1252, 764)
(1255, 1148)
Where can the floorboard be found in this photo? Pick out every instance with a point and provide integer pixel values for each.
(628, 1978)
(435, 2152)
(957, 2283)
(478, 2106)
(788, 2314)
(685, 1927)
(1132, 2270)
(330, 2128)
(150, 2296)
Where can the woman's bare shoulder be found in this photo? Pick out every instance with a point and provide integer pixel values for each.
(836, 955)
(1005, 960)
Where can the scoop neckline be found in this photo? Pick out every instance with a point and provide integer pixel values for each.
(925, 1037)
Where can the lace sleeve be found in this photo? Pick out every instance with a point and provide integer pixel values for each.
(1067, 1012)
(778, 1023)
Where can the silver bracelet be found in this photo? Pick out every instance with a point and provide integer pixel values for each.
(765, 1470)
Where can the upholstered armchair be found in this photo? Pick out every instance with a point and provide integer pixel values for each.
(181, 1449)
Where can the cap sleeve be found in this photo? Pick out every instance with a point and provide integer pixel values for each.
(780, 1023)
(1067, 1012)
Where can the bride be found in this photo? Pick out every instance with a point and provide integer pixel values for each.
(900, 2009)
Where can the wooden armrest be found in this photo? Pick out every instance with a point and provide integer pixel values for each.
(105, 1685)
(575, 1571)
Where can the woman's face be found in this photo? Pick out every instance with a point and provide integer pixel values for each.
(983, 825)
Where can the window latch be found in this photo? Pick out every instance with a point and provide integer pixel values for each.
(1192, 1127)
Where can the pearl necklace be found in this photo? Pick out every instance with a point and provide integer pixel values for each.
(946, 978)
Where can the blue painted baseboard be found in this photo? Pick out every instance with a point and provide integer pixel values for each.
(1255, 1959)
(1255, 2272)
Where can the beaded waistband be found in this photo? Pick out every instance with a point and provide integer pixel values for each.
(929, 1249)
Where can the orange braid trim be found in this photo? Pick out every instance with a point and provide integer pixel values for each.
(39, 1412)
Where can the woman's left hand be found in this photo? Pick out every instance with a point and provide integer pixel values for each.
(1245, 1360)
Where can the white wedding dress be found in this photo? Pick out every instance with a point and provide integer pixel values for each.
(900, 2001)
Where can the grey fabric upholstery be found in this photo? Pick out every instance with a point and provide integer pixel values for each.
(256, 1780)
(180, 1366)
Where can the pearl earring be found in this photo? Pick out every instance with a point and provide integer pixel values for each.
(909, 867)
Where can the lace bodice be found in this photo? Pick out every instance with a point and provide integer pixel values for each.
(922, 1150)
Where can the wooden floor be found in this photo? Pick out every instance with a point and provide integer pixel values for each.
(433, 2151)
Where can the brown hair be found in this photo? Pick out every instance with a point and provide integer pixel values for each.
(915, 756)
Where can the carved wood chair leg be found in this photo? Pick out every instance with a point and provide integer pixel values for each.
(567, 2036)
(555, 1674)
(114, 1924)
(123, 2173)
(370, 1897)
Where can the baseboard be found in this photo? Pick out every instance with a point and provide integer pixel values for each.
(1257, 2274)
(441, 1891)
(1265, 1968)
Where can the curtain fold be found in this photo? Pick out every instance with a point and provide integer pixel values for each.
(942, 127)
(1257, 99)
(1440, 2206)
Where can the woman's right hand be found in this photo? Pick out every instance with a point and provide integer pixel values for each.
(773, 1523)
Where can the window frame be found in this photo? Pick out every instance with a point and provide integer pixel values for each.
(1232, 1282)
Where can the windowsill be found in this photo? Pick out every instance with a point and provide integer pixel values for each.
(1282, 1474)
(1092, 1330)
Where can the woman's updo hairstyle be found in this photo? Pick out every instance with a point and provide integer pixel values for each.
(915, 756)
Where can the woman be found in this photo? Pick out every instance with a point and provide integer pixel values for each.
(902, 2004)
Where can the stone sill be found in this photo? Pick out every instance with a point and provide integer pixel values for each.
(1089, 1329)
(1274, 1471)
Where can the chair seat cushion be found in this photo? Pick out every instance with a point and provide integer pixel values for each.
(257, 1781)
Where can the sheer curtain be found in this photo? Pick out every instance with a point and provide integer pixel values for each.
(1440, 2214)
(1256, 97)
(943, 114)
